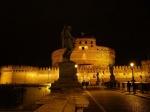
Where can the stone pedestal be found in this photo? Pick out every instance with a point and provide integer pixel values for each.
(67, 78)
(112, 78)
(97, 81)
(112, 82)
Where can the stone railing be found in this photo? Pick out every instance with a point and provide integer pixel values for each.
(142, 87)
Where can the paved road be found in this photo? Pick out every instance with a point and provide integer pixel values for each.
(106, 100)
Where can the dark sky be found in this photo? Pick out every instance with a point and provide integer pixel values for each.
(30, 29)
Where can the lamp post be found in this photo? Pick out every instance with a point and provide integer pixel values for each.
(48, 74)
(102, 77)
(133, 85)
(102, 80)
(132, 64)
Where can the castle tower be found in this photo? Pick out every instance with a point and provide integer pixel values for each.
(86, 52)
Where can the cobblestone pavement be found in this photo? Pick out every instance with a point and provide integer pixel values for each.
(143, 95)
(111, 100)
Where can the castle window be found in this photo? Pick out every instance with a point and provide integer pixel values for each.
(91, 42)
(85, 42)
(80, 42)
(82, 48)
(91, 45)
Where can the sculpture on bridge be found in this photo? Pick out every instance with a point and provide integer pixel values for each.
(111, 69)
(112, 77)
(67, 42)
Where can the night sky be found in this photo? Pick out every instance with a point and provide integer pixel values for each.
(30, 29)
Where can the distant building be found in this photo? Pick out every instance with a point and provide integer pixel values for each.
(87, 53)
(91, 59)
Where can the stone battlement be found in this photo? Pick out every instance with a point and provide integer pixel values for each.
(30, 74)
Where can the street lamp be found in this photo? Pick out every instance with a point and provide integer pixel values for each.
(102, 77)
(132, 64)
(76, 65)
(48, 74)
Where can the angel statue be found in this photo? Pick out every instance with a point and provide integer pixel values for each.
(67, 42)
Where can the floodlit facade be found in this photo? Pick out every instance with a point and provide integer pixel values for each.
(91, 60)
(86, 52)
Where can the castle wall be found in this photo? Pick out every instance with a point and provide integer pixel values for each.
(6, 75)
(35, 75)
(28, 75)
(92, 59)
(121, 73)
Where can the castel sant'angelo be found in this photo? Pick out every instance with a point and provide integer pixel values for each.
(91, 60)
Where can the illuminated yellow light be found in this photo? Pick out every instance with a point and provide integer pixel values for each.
(131, 64)
(86, 47)
(76, 65)
(49, 84)
(81, 47)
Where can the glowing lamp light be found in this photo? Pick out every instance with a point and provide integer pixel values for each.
(76, 65)
(131, 64)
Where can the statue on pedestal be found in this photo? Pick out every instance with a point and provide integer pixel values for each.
(112, 77)
(111, 69)
(67, 42)
(97, 82)
(67, 84)
(67, 80)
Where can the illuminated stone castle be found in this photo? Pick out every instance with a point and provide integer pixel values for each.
(90, 58)
(86, 52)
